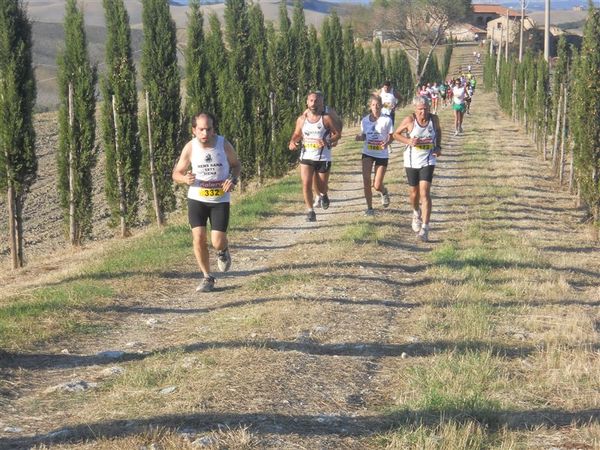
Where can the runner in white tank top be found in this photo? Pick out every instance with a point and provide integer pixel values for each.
(317, 134)
(388, 100)
(210, 167)
(422, 134)
(376, 132)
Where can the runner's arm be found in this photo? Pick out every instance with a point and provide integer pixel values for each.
(438, 136)
(297, 134)
(181, 172)
(335, 132)
(235, 167)
(337, 122)
(401, 133)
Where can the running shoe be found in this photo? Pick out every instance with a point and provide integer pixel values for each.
(455, 132)
(385, 198)
(318, 201)
(370, 212)
(206, 285)
(424, 234)
(311, 216)
(324, 201)
(416, 221)
(224, 260)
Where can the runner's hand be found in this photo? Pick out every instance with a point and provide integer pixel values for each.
(293, 146)
(189, 178)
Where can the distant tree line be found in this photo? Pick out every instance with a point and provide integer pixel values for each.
(252, 75)
(560, 108)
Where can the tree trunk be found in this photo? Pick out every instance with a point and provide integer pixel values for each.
(19, 227)
(73, 234)
(12, 229)
(557, 129)
(120, 180)
(513, 101)
(498, 57)
(159, 216)
(525, 107)
(571, 167)
(545, 134)
(563, 138)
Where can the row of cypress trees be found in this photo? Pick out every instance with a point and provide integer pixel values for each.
(252, 75)
(566, 124)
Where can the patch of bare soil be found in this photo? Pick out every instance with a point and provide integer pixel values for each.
(295, 347)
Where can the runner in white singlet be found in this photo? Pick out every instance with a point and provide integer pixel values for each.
(376, 132)
(422, 135)
(317, 134)
(210, 167)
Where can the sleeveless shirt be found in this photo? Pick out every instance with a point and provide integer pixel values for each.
(211, 168)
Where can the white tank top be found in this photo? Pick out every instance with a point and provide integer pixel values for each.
(421, 155)
(311, 134)
(458, 95)
(211, 168)
(376, 133)
(388, 99)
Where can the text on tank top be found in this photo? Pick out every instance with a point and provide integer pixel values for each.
(377, 134)
(211, 168)
(312, 136)
(425, 135)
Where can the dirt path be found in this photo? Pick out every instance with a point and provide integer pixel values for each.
(303, 342)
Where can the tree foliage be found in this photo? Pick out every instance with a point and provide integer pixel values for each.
(18, 161)
(160, 79)
(120, 134)
(77, 152)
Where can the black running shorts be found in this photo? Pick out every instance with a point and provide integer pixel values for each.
(200, 212)
(378, 161)
(415, 175)
(320, 166)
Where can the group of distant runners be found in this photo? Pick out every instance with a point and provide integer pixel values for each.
(209, 165)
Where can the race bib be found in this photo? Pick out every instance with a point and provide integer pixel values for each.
(211, 189)
(424, 145)
(204, 192)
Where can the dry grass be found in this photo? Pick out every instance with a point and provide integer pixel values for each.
(349, 333)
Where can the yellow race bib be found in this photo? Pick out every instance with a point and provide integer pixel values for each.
(208, 192)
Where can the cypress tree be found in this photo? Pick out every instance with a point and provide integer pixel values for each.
(258, 81)
(378, 68)
(237, 118)
(300, 50)
(327, 69)
(119, 125)
(314, 58)
(337, 57)
(348, 98)
(160, 79)
(587, 116)
(18, 162)
(198, 80)
(284, 97)
(216, 56)
(77, 127)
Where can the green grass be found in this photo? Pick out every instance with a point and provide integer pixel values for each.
(274, 281)
(67, 308)
(456, 385)
(51, 312)
(360, 233)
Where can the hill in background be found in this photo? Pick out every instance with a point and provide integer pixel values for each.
(48, 33)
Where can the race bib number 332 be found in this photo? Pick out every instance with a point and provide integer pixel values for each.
(211, 192)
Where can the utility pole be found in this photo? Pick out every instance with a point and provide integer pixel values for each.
(521, 31)
(507, 39)
(547, 30)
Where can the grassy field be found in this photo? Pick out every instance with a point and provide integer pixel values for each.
(347, 333)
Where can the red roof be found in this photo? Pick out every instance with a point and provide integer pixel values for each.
(494, 9)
